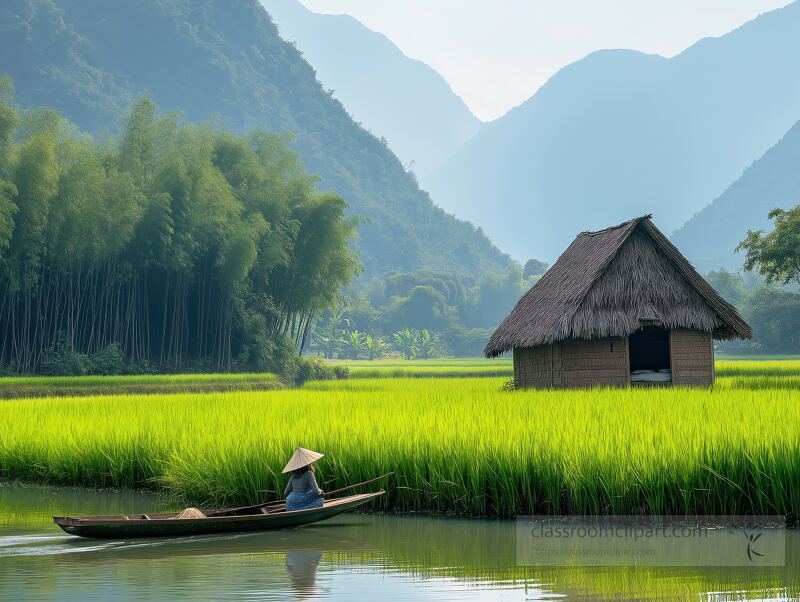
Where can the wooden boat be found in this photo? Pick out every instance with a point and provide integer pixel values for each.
(249, 518)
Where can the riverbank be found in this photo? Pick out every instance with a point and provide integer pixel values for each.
(456, 445)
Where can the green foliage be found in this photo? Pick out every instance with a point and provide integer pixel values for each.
(771, 310)
(175, 247)
(466, 342)
(458, 313)
(731, 286)
(774, 315)
(352, 345)
(534, 267)
(494, 297)
(375, 348)
(315, 369)
(61, 360)
(424, 307)
(430, 345)
(775, 255)
(406, 342)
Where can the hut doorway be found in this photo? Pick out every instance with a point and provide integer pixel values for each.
(648, 349)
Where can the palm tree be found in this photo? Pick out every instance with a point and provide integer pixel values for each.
(375, 348)
(353, 344)
(406, 343)
(329, 335)
(429, 345)
(327, 339)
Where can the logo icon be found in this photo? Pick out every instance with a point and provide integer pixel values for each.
(752, 538)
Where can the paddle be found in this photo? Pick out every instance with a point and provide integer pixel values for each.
(330, 493)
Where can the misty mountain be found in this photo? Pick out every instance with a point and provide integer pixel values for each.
(621, 133)
(392, 95)
(711, 236)
(91, 58)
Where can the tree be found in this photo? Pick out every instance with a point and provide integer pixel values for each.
(375, 348)
(9, 121)
(774, 315)
(494, 297)
(534, 267)
(424, 307)
(173, 246)
(430, 345)
(776, 255)
(329, 334)
(406, 342)
(730, 286)
(352, 345)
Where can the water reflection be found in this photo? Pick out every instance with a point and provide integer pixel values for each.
(350, 557)
(302, 565)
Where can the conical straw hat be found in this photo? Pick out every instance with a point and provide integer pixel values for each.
(191, 513)
(302, 457)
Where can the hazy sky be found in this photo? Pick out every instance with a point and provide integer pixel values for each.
(496, 53)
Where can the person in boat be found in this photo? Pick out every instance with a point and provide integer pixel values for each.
(302, 491)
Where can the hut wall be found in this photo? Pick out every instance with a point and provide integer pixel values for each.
(578, 363)
(595, 362)
(538, 367)
(692, 357)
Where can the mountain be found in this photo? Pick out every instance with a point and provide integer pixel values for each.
(710, 238)
(395, 97)
(91, 58)
(621, 133)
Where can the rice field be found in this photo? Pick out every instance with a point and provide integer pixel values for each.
(744, 366)
(436, 368)
(457, 445)
(47, 386)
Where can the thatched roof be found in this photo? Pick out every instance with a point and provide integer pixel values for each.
(606, 283)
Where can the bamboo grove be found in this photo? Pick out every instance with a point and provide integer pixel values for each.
(178, 244)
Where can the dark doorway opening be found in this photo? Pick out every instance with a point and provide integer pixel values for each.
(648, 349)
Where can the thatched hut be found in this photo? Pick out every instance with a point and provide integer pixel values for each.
(620, 306)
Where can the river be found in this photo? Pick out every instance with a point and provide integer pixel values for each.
(351, 557)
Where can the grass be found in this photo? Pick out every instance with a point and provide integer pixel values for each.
(50, 386)
(457, 445)
(435, 368)
(757, 358)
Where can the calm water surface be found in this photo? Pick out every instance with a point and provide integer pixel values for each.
(348, 558)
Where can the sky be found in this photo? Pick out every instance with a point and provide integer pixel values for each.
(496, 53)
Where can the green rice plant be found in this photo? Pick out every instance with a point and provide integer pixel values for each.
(438, 368)
(751, 368)
(45, 386)
(456, 445)
(473, 367)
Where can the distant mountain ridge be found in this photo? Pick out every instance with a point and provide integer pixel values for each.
(392, 95)
(621, 133)
(91, 58)
(709, 239)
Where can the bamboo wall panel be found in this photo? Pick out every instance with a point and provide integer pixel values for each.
(533, 366)
(580, 363)
(692, 357)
